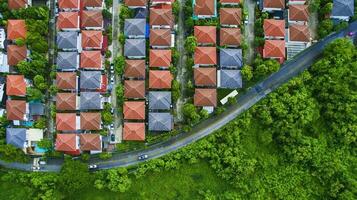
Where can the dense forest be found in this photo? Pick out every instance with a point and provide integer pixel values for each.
(298, 143)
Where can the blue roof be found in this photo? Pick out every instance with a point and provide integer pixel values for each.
(231, 58)
(16, 137)
(343, 8)
(230, 79)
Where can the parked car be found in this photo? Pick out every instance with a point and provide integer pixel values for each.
(112, 137)
(143, 157)
(92, 166)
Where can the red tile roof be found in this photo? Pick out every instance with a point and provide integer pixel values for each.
(298, 13)
(66, 101)
(68, 4)
(274, 4)
(90, 142)
(230, 16)
(230, 36)
(204, 7)
(68, 20)
(66, 142)
(274, 49)
(160, 37)
(15, 109)
(135, 68)
(134, 89)
(92, 18)
(66, 121)
(92, 39)
(90, 120)
(16, 28)
(134, 110)
(92, 3)
(66, 80)
(274, 28)
(299, 33)
(160, 58)
(15, 85)
(205, 76)
(135, 2)
(160, 79)
(15, 54)
(205, 56)
(205, 34)
(91, 60)
(134, 131)
(16, 4)
(162, 17)
(205, 97)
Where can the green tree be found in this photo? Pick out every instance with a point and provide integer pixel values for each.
(119, 64)
(190, 113)
(119, 90)
(34, 94)
(45, 144)
(118, 180)
(190, 44)
(247, 72)
(74, 177)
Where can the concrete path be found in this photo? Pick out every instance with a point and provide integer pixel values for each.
(249, 5)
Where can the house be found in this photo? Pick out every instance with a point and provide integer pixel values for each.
(230, 2)
(67, 61)
(136, 3)
(205, 97)
(231, 58)
(90, 80)
(66, 101)
(135, 48)
(205, 56)
(231, 79)
(298, 14)
(161, 18)
(274, 29)
(230, 17)
(37, 109)
(134, 110)
(274, 49)
(92, 40)
(160, 58)
(140, 13)
(161, 2)
(92, 19)
(90, 101)
(230, 37)
(205, 77)
(16, 137)
(15, 54)
(342, 9)
(273, 5)
(33, 136)
(135, 28)
(4, 66)
(66, 81)
(160, 122)
(160, 38)
(91, 60)
(93, 4)
(135, 69)
(67, 143)
(205, 35)
(90, 121)
(160, 79)
(2, 38)
(160, 100)
(2, 92)
(15, 85)
(16, 29)
(17, 110)
(17, 4)
(203, 9)
(134, 131)
(66, 122)
(134, 89)
(296, 2)
(67, 41)
(68, 21)
(68, 5)
(91, 142)
(299, 33)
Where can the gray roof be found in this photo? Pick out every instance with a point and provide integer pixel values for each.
(37, 108)
(67, 60)
(159, 100)
(90, 79)
(231, 79)
(160, 122)
(343, 8)
(90, 101)
(135, 48)
(135, 27)
(16, 137)
(67, 40)
(141, 13)
(231, 58)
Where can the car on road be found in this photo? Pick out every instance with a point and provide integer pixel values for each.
(112, 137)
(143, 157)
(92, 166)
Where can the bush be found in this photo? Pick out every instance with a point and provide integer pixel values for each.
(105, 155)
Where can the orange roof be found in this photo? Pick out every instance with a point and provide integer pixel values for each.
(298, 13)
(160, 58)
(15, 54)
(134, 110)
(66, 142)
(90, 121)
(66, 80)
(135, 2)
(230, 1)
(92, 39)
(204, 7)
(205, 56)
(135, 68)
(66, 101)
(205, 97)
(274, 49)
(91, 60)
(15, 109)
(230, 16)
(16, 28)
(161, 17)
(92, 3)
(70, 4)
(134, 89)
(274, 3)
(160, 79)
(205, 76)
(92, 18)
(274, 28)
(230, 36)
(90, 142)
(15, 85)
(160, 37)
(205, 34)
(299, 33)
(134, 131)
(16, 4)
(68, 20)
(66, 121)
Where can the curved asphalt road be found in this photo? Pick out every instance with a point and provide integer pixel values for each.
(289, 70)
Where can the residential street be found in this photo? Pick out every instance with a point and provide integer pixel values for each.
(249, 5)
